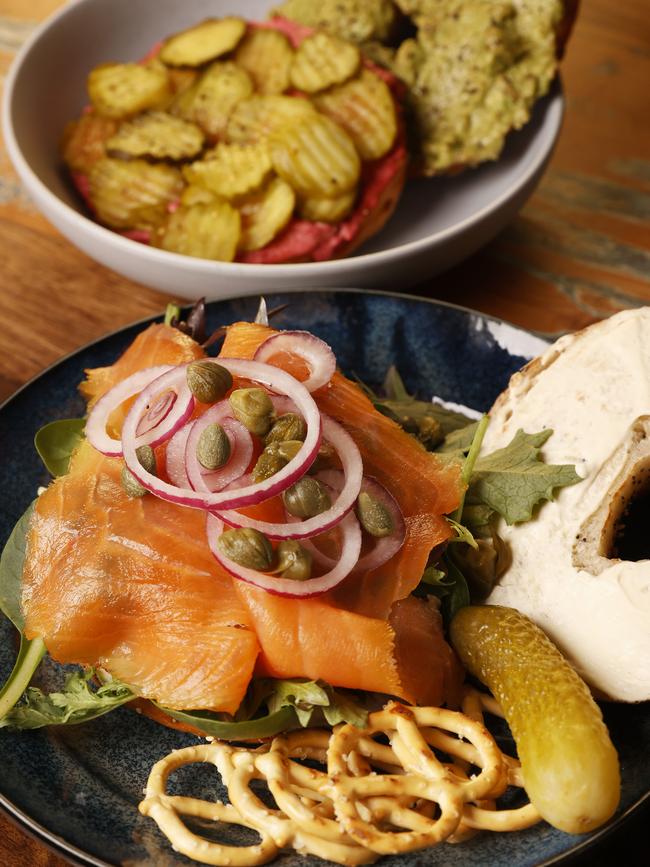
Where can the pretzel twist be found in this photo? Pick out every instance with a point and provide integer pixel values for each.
(166, 810)
(437, 779)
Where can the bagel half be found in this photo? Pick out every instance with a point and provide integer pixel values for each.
(581, 569)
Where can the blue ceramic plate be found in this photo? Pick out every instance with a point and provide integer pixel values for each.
(78, 787)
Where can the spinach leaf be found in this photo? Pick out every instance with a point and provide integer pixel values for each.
(212, 724)
(56, 441)
(11, 570)
(77, 703)
(29, 657)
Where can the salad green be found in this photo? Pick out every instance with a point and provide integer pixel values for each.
(56, 441)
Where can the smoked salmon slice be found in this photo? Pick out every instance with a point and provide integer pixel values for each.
(132, 586)
(425, 487)
(157, 344)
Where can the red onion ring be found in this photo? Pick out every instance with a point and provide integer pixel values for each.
(175, 457)
(350, 548)
(383, 549)
(265, 374)
(241, 445)
(352, 475)
(179, 411)
(156, 413)
(311, 349)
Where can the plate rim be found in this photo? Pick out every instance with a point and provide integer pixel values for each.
(65, 849)
(292, 290)
(555, 102)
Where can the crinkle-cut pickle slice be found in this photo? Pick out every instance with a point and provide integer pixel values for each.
(255, 118)
(267, 56)
(207, 40)
(231, 170)
(132, 194)
(316, 156)
(123, 89)
(324, 210)
(158, 135)
(323, 60)
(182, 79)
(265, 213)
(570, 767)
(195, 195)
(211, 99)
(206, 231)
(365, 108)
(84, 141)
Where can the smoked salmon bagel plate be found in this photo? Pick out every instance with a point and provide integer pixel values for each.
(235, 540)
(209, 151)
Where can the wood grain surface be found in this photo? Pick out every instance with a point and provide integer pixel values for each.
(578, 251)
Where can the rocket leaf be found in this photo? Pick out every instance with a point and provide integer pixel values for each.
(76, 704)
(514, 480)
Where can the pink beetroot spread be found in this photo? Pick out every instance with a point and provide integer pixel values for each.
(304, 240)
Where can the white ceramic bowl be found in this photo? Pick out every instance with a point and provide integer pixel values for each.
(437, 223)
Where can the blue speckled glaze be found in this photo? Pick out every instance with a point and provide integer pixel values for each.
(78, 787)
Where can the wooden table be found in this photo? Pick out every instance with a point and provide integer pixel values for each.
(579, 251)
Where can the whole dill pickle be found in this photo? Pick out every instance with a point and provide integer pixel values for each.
(569, 764)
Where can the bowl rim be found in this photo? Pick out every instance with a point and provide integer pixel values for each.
(103, 236)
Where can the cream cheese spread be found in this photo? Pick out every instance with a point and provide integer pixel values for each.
(593, 390)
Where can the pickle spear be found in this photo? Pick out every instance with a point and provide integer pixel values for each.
(569, 764)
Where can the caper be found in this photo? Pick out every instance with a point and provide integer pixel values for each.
(324, 458)
(294, 561)
(268, 464)
(289, 449)
(213, 447)
(306, 498)
(248, 548)
(208, 381)
(274, 457)
(483, 565)
(373, 516)
(147, 459)
(253, 408)
(430, 431)
(289, 426)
